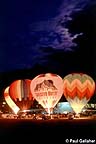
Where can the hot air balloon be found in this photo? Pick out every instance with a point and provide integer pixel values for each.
(19, 92)
(47, 89)
(78, 89)
(10, 102)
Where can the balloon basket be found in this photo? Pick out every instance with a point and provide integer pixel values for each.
(77, 115)
(49, 111)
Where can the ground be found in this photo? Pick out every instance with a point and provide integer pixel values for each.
(55, 129)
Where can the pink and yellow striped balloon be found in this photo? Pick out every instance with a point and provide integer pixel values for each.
(78, 89)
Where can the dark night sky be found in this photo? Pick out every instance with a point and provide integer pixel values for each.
(39, 36)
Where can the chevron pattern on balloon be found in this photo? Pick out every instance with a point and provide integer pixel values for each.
(76, 87)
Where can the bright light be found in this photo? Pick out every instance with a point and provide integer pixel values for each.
(4, 103)
(24, 111)
(77, 104)
(65, 112)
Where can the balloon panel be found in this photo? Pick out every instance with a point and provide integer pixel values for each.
(10, 102)
(20, 90)
(78, 89)
(47, 89)
(79, 85)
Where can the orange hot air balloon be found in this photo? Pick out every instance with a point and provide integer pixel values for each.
(78, 89)
(20, 94)
(47, 89)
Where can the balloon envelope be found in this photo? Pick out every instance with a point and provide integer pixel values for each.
(20, 94)
(78, 89)
(47, 89)
(10, 102)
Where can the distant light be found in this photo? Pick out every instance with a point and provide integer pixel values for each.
(24, 110)
(83, 110)
(4, 103)
(65, 112)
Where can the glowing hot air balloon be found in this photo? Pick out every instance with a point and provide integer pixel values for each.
(78, 89)
(10, 102)
(47, 89)
(19, 93)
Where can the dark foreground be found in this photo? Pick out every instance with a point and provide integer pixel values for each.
(47, 130)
